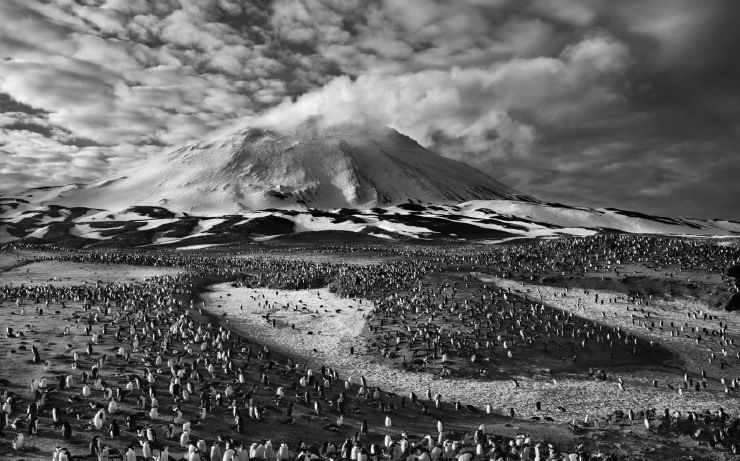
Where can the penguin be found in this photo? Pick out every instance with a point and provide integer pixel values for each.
(151, 435)
(65, 455)
(184, 439)
(216, 452)
(104, 453)
(36, 356)
(66, 430)
(32, 410)
(113, 429)
(32, 426)
(95, 446)
(18, 441)
(131, 421)
(146, 449)
(98, 420)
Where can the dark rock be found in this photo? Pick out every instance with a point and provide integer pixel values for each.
(734, 303)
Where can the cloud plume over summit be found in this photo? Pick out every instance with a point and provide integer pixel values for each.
(630, 104)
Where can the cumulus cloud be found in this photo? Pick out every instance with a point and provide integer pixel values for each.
(481, 114)
(593, 102)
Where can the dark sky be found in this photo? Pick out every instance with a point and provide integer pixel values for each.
(632, 104)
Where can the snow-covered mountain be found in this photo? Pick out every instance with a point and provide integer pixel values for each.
(356, 181)
(358, 164)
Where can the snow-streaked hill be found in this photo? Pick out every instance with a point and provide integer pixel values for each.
(487, 221)
(358, 164)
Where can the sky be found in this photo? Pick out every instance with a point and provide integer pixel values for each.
(630, 104)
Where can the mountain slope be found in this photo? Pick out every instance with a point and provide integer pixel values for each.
(360, 164)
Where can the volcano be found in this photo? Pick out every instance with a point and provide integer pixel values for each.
(353, 180)
(357, 164)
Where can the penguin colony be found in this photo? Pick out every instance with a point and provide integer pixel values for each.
(147, 374)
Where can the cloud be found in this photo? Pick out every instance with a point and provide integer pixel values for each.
(596, 102)
(481, 113)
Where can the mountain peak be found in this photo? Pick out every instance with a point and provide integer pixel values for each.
(319, 163)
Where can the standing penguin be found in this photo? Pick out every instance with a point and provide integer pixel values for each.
(363, 427)
(32, 426)
(104, 453)
(32, 410)
(283, 453)
(98, 420)
(216, 452)
(146, 449)
(66, 430)
(95, 446)
(114, 430)
(184, 439)
(36, 356)
(131, 421)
